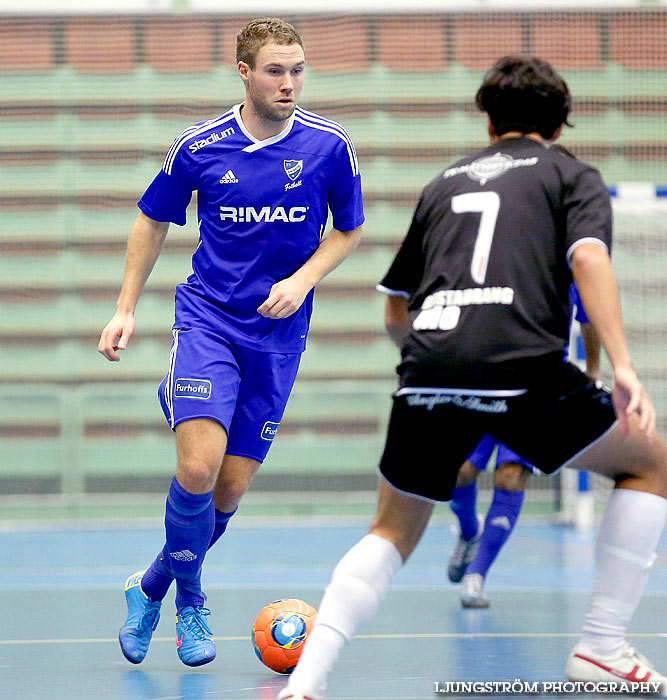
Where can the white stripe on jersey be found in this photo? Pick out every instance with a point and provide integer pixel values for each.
(316, 122)
(169, 384)
(189, 133)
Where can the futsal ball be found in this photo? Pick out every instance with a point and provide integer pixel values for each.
(279, 632)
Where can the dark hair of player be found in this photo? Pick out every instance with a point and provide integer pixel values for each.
(258, 32)
(525, 94)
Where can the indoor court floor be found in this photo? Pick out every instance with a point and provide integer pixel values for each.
(61, 604)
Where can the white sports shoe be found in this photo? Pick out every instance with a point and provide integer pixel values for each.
(628, 665)
(472, 592)
(464, 553)
(287, 694)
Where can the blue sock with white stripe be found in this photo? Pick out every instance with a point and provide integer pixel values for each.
(464, 506)
(189, 524)
(499, 523)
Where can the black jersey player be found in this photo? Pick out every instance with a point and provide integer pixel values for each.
(495, 242)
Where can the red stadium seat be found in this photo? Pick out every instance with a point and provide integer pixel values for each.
(639, 40)
(26, 45)
(228, 31)
(480, 41)
(338, 44)
(570, 42)
(397, 39)
(101, 45)
(179, 45)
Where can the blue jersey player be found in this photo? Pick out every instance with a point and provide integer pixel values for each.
(478, 547)
(266, 174)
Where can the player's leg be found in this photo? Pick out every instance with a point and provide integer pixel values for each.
(464, 506)
(569, 421)
(358, 585)
(199, 410)
(509, 481)
(633, 522)
(233, 481)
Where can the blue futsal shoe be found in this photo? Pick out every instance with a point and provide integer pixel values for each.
(143, 615)
(194, 639)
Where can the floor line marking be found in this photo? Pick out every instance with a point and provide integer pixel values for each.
(426, 635)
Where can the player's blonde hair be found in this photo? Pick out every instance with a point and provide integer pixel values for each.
(258, 32)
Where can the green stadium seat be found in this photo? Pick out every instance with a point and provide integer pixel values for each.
(348, 313)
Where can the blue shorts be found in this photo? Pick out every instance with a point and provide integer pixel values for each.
(481, 455)
(244, 390)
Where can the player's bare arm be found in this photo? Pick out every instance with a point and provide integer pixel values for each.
(592, 271)
(397, 319)
(592, 347)
(143, 248)
(287, 295)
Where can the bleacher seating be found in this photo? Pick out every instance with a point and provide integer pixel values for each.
(88, 108)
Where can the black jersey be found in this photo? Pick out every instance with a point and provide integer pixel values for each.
(485, 263)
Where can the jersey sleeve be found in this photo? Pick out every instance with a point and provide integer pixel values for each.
(588, 211)
(406, 271)
(345, 199)
(168, 196)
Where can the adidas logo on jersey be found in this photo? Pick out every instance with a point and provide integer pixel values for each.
(228, 178)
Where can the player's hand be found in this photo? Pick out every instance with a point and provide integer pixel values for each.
(116, 336)
(284, 299)
(629, 396)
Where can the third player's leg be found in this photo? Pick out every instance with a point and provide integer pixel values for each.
(401, 519)
(632, 461)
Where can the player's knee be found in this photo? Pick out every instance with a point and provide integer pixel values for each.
(510, 477)
(197, 475)
(467, 474)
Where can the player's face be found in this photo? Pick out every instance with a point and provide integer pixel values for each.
(274, 85)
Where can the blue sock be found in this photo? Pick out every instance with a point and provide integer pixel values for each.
(189, 523)
(464, 506)
(500, 520)
(221, 520)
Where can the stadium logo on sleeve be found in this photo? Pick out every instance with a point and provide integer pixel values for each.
(490, 167)
(293, 168)
(269, 430)
(192, 388)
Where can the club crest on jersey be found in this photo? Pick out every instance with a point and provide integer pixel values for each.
(293, 168)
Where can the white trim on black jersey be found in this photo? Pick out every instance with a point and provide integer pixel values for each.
(191, 132)
(581, 241)
(315, 121)
(391, 292)
(459, 392)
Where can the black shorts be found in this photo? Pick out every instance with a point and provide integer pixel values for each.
(432, 430)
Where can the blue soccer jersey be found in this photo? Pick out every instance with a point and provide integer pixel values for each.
(262, 209)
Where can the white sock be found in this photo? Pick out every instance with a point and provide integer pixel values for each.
(357, 587)
(629, 533)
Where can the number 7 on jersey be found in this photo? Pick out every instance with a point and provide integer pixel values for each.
(487, 204)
